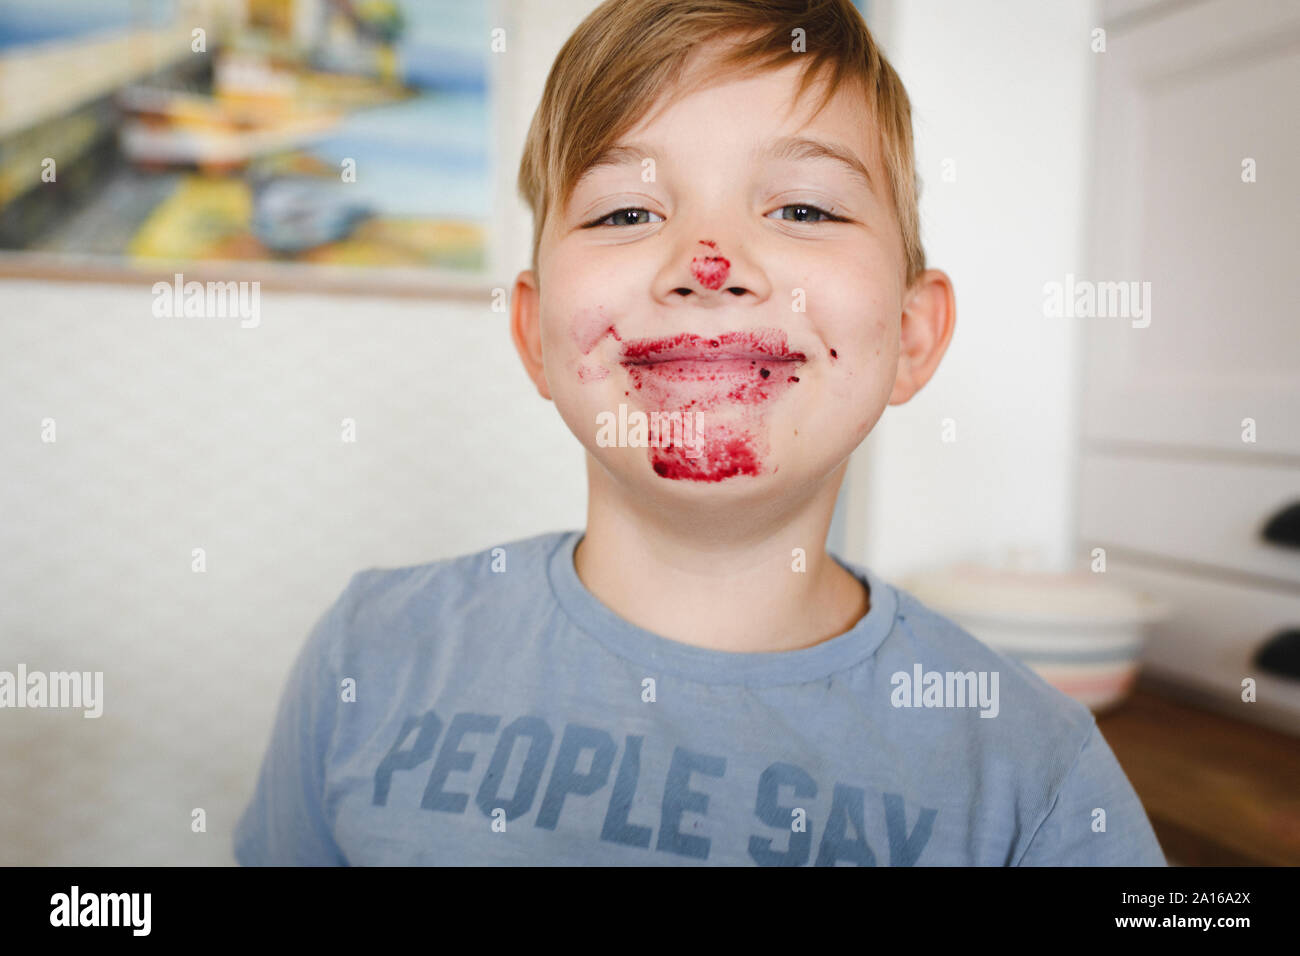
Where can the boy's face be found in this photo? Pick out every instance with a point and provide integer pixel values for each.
(755, 292)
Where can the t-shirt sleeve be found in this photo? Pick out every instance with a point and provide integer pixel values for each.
(1072, 835)
(285, 823)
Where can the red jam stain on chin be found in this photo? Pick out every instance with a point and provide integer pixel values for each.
(726, 454)
(710, 271)
(592, 373)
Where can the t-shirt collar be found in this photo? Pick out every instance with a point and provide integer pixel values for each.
(755, 669)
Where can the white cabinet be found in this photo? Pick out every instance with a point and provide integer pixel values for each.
(1189, 97)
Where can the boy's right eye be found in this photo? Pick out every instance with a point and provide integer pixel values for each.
(637, 220)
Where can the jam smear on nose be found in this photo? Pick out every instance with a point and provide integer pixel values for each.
(710, 271)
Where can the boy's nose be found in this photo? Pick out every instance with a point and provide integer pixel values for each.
(710, 271)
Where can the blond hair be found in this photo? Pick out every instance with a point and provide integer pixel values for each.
(627, 53)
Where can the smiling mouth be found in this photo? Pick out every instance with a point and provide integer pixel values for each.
(755, 346)
(728, 379)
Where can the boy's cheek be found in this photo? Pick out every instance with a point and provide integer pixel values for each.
(591, 372)
(581, 389)
(578, 410)
(584, 377)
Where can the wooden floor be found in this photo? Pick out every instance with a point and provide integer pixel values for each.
(1218, 791)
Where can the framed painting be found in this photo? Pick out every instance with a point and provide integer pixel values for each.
(320, 144)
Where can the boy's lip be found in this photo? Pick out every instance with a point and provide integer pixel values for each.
(766, 344)
(706, 372)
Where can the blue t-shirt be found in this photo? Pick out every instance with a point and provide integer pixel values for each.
(489, 710)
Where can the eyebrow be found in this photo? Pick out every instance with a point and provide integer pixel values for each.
(789, 148)
(802, 148)
(629, 154)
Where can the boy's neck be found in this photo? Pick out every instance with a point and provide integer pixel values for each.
(724, 585)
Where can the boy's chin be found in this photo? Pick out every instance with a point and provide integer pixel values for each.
(720, 454)
(717, 470)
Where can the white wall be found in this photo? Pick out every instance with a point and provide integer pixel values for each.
(1004, 90)
(188, 433)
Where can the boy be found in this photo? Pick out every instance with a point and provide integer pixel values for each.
(728, 287)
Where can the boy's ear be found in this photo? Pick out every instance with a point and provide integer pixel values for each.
(929, 315)
(526, 329)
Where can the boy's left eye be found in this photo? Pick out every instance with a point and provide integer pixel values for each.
(807, 209)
